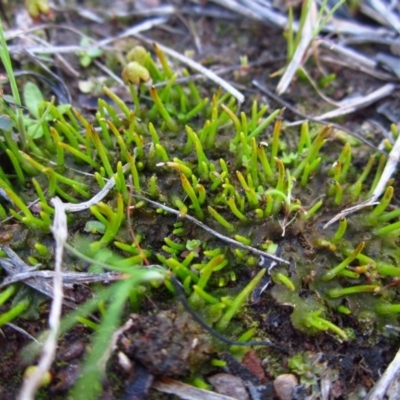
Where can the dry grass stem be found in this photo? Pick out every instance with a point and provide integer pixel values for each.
(23, 332)
(197, 67)
(380, 388)
(108, 72)
(112, 345)
(224, 238)
(293, 109)
(185, 391)
(348, 106)
(69, 278)
(73, 207)
(387, 173)
(15, 266)
(356, 67)
(301, 50)
(49, 49)
(354, 28)
(255, 10)
(385, 11)
(348, 54)
(60, 233)
(143, 26)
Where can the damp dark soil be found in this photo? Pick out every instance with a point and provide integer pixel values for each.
(163, 336)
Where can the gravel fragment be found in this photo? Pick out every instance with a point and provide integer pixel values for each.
(229, 385)
(284, 385)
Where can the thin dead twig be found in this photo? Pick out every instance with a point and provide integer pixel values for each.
(108, 72)
(182, 297)
(134, 30)
(224, 238)
(96, 198)
(112, 345)
(287, 105)
(69, 278)
(15, 266)
(317, 89)
(22, 332)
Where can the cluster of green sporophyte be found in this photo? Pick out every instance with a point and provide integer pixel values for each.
(235, 173)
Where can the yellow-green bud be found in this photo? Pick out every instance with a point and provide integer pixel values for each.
(37, 7)
(138, 54)
(46, 378)
(135, 73)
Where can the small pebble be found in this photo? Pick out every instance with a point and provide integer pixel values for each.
(74, 350)
(284, 385)
(229, 385)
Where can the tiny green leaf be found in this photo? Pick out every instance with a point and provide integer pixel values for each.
(94, 227)
(32, 97)
(192, 244)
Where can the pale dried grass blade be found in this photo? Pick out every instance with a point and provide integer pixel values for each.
(353, 28)
(387, 173)
(301, 50)
(185, 391)
(354, 104)
(143, 26)
(109, 72)
(93, 201)
(16, 267)
(49, 49)
(76, 207)
(224, 238)
(239, 8)
(380, 388)
(60, 232)
(386, 14)
(112, 345)
(161, 10)
(23, 332)
(390, 167)
(347, 53)
(197, 67)
(90, 15)
(258, 10)
(69, 278)
(332, 59)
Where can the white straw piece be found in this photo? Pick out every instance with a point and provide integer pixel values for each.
(60, 232)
